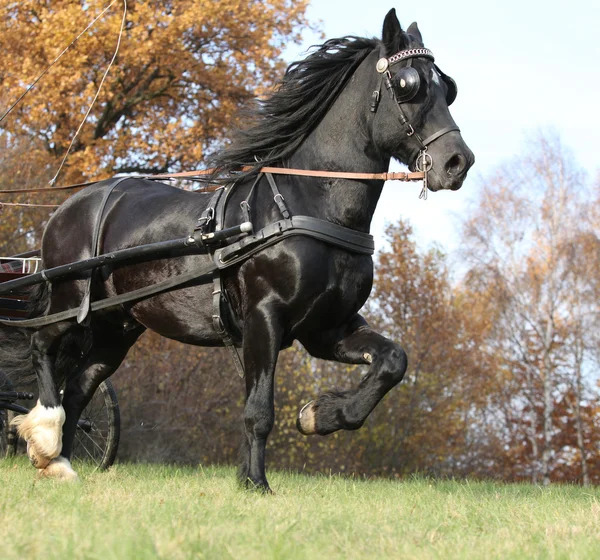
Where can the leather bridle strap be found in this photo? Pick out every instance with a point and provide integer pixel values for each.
(439, 133)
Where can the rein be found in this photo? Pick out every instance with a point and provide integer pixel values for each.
(395, 176)
(389, 176)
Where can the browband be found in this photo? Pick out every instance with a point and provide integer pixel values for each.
(410, 53)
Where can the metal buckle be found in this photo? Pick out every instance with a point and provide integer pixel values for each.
(424, 164)
(424, 161)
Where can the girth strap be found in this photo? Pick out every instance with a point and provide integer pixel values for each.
(220, 327)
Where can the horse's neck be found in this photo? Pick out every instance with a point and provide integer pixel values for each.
(342, 142)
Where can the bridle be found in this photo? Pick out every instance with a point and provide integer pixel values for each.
(408, 80)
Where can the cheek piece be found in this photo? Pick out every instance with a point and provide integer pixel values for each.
(402, 88)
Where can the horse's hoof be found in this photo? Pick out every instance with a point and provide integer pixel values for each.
(59, 469)
(306, 422)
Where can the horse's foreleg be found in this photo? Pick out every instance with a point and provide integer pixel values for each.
(42, 427)
(262, 340)
(355, 343)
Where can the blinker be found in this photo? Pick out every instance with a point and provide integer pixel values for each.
(406, 84)
(450, 85)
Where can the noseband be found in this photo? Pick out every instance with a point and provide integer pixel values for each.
(408, 83)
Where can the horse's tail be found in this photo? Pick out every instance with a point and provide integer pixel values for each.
(15, 343)
(15, 346)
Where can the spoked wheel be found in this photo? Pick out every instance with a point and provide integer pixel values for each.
(98, 430)
(8, 435)
(3, 433)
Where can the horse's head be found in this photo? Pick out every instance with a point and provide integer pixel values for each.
(412, 122)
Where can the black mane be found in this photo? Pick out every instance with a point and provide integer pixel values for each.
(280, 123)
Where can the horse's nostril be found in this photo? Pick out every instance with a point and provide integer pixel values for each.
(455, 165)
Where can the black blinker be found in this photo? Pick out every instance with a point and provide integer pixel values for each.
(450, 85)
(406, 84)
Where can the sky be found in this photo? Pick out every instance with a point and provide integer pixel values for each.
(521, 66)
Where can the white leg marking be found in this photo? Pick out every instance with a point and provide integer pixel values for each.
(59, 469)
(42, 430)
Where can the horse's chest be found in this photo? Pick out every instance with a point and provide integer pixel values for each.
(346, 285)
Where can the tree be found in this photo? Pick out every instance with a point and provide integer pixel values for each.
(430, 420)
(183, 71)
(521, 242)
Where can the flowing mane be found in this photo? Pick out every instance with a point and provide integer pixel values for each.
(280, 123)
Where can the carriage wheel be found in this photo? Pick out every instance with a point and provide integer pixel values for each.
(3, 433)
(8, 435)
(98, 430)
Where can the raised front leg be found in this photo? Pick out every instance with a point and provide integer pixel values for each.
(262, 341)
(354, 343)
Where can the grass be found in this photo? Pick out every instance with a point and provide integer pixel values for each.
(140, 511)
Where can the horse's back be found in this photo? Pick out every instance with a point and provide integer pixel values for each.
(137, 212)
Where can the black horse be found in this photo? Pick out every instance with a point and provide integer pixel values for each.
(351, 105)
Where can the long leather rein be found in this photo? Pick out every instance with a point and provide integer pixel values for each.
(389, 176)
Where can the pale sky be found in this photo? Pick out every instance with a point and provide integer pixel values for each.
(520, 66)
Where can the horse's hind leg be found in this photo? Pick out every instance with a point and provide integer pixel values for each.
(355, 343)
(42, 427)
(109, 349)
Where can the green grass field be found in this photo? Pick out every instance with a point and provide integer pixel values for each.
(138, 511)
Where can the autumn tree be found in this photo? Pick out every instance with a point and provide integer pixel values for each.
(433, 418)
(182, 73)
(521, 243)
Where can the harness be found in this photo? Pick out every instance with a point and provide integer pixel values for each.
(242, 249)
(208, 237)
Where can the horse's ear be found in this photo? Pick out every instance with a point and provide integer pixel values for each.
(392, 36)
(413, 29)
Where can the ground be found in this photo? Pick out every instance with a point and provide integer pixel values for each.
(140, 511)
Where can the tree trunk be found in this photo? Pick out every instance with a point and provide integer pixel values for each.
(578, 421)
(548, 402)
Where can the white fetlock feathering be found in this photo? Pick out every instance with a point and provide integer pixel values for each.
(42, 430)
(59, 469)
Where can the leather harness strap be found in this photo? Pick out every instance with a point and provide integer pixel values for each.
(84, 307)
(328, 232)
(135, 295)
